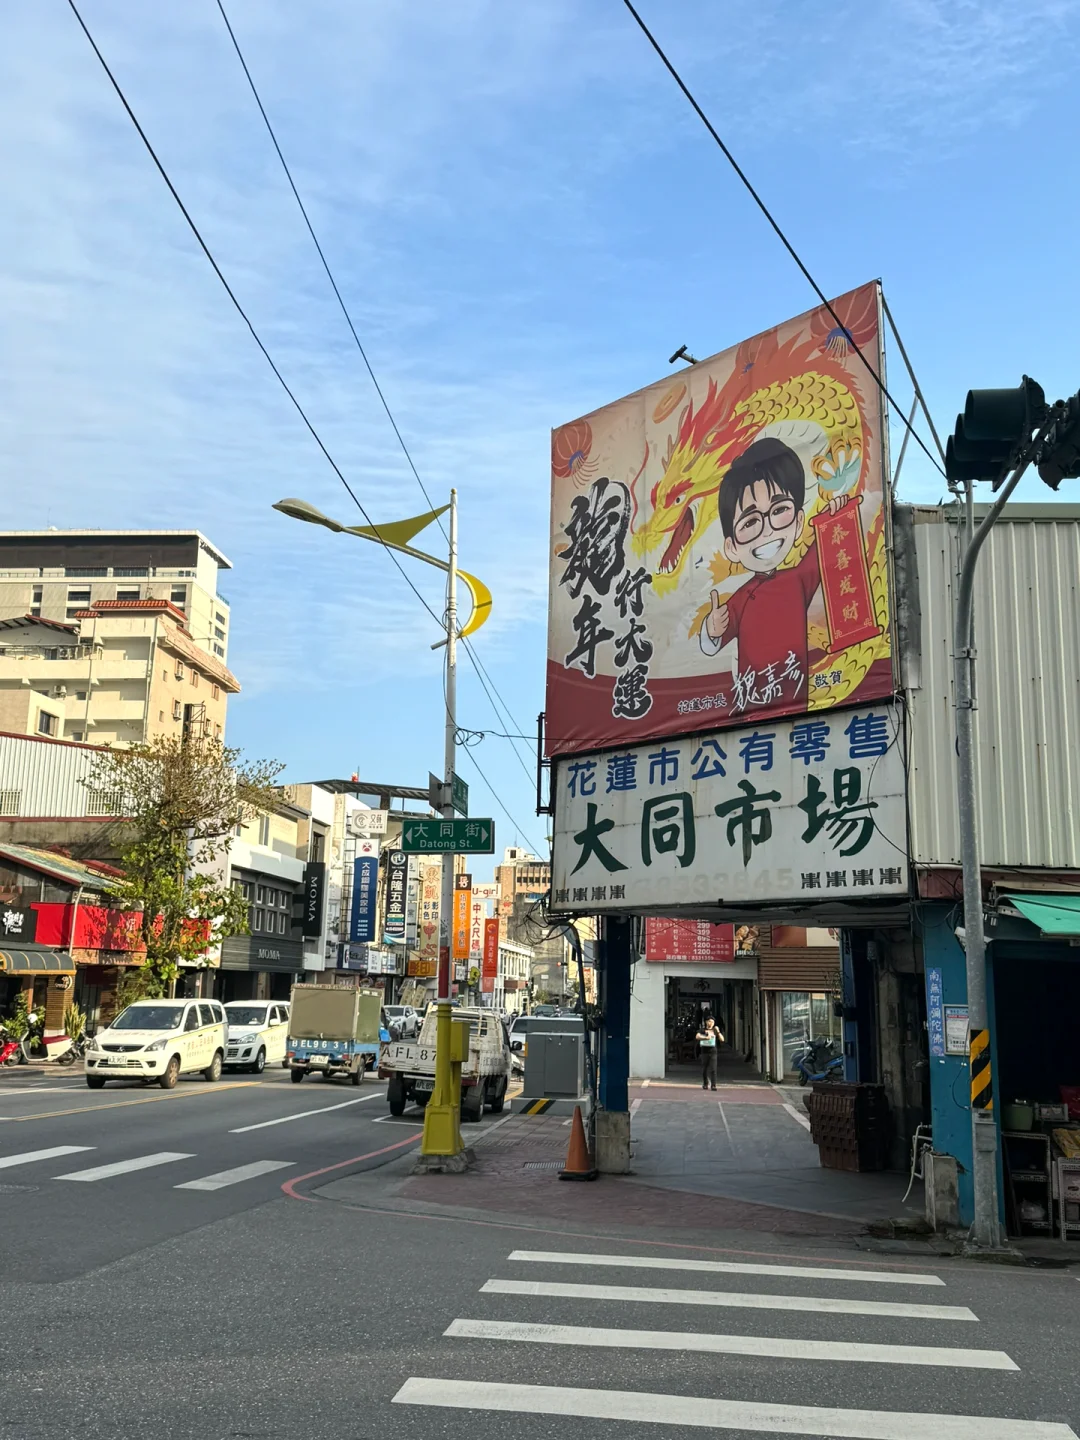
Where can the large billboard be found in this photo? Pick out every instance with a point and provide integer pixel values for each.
(796, 811)
(719, 541)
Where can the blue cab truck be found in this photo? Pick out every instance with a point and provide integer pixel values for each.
(334, 1033)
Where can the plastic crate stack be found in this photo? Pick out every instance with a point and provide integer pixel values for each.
(850, 1125)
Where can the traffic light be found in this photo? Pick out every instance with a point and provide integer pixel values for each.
(994, 428)
(1058, 457)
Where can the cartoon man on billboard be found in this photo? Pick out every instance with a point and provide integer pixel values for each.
(761, 512)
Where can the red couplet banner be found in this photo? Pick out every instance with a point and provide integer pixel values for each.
(490, 969)
(689, 940)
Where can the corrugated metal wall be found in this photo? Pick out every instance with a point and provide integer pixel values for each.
(45, 777)
(1028, 684)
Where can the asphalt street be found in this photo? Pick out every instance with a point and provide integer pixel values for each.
(137, 1300)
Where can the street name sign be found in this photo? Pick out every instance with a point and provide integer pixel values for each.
(459, 794)
(438, 837)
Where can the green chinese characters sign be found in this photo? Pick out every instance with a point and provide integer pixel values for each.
(806, 810)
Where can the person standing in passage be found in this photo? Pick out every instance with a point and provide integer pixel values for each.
(709, 1039)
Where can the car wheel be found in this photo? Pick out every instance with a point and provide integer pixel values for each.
(260, 1063)
(395, 1094)
(96, 1082)
(213, 1070)
(297, 1075)
(357, 1076)
(472, 1109)
(498, 1100)
(171, 1074)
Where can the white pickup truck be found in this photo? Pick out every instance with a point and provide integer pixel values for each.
(409, 1066)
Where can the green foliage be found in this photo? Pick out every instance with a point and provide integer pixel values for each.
(74, 1021)
(183, 801)
(18, 1022)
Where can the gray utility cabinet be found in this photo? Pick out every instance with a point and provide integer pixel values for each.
(555, 1058)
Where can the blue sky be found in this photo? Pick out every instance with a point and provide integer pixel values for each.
(526, 220)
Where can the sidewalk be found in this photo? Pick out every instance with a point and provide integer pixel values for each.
(739, 1159)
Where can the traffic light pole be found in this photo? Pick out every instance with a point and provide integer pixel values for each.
(442, 1123)
(986, 1229)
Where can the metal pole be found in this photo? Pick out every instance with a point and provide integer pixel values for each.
(986, 1229)
(442, 1126)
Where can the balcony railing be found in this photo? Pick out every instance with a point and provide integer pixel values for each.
(50, 652)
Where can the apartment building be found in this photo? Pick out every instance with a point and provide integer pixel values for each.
(56, 573)
(113, 672)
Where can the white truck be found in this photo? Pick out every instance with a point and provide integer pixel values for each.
(333, 1032)
(409, 1066)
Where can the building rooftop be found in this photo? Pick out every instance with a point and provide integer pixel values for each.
(103, 536)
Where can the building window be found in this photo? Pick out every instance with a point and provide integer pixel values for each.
(177, 710)
(216, 692)
(281, 924)
(178, 596)
(264, 829)
(195, 678)
(73, 611)
(127, 593)
(36, 595)
(217, 732)
(10, 802)
(219, 632)
(219, 617)
(260, 920)
(219, 652)
(80, 694)
(161, 715)
(35, 610)
(47, 724)
(86, 572)
(179, 670)
(129, 572)
(104, 802)
(81, 597)
(78, 735)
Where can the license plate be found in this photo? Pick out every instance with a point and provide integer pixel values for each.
(424, 1085)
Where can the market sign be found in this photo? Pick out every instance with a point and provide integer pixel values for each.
(807, 810)
(364, 891)
(719, 541)
(459, 837)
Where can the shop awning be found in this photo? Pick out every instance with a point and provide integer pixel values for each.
(1053, 914)
(36, 962)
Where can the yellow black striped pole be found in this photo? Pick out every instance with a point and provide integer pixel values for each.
(982, 1087)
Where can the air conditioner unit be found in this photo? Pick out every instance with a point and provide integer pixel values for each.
(59, 692)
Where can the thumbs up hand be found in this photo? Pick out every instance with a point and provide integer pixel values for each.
(716, 622)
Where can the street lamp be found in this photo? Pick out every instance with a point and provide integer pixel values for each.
(442, 1129)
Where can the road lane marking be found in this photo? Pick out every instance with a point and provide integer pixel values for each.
(304, 1114)
(234, 1177)
(28, 1156)
(579, 1335)
(122, 1167)
(734, 1298)
(635, 1106)
(289, 1188)
(804, 1120)
(751, 1415)
(727, 1127)
(120, 1104)
(722, 1267)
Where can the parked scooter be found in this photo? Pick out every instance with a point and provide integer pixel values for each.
(10, 1050)
(61, 1049)
(817, 1060)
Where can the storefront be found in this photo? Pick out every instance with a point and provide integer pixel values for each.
(1033, 973)
(800, 984)
(256, 967)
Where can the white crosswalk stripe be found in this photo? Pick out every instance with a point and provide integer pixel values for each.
(757, 1414)
(683, 1341)
(29, 1156)
(737, 1299)
(234, 1177)
(124, 1167)
(725, 1267)
(751, 1415)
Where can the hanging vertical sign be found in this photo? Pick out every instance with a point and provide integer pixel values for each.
(460, 938)
(364, 890)
(397, 881)
(430, 900)
(314, 898)
(490, 971)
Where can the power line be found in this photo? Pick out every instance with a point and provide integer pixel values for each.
(775, 226)
(363, 353)
(495, 796)
(240, 309)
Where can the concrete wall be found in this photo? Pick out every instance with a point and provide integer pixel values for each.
(648, 1054)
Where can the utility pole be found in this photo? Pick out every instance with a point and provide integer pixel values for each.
(442, 1124)
(993, 440)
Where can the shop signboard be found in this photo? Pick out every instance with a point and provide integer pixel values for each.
(795, 811)
(430, 901)
(462, 928)
(423, 969)
(489, 971)
(957, 1037)
(691, 940)
(364, 890)
(719, 541)
(314, 898)
(397, 879)
(17, 923)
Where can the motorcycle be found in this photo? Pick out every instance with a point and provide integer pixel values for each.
(817, 1060)
(10, 1050)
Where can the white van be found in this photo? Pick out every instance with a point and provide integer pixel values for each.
(258, 1030)
(159, 1040)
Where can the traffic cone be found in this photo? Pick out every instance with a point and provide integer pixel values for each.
(579, 1165)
